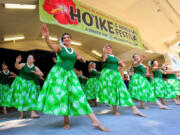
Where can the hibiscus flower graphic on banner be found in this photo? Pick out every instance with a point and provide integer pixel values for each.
(60, 10)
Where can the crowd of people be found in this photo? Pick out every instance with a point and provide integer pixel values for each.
(67, 92)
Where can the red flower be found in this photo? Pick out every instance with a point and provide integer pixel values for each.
(60, 10)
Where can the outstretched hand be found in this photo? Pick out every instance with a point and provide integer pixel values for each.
(44, 30)
(19, 58)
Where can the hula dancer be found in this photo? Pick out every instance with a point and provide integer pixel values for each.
(23, 93)
(139, 87)
(161, 90)
(92, 85)
(5, 76)
(112, 88)
(61, 93)
(172, 81)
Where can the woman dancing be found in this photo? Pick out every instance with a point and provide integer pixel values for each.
(5, 76)
(61, 93)
(24, 92)
(113, 91)
(139, 87)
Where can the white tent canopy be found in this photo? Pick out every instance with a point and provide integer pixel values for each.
(158, 22)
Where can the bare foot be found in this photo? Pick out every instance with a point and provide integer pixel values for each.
(35, 116)
(144, 107)
(117, 113)
(139, 113)
(165, 107)
(67, 126)
(100, 126)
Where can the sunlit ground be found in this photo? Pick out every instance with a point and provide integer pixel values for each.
(158, 122)
(14, 124)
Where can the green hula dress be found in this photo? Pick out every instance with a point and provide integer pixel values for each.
(37, 82)
(113, 91)
(61, 93)
(161, 90)
(150, 80)
(82, 81)
(23, 93)
(4, 87)
(58, 59)
(93, 85)
(174, 83)
(139, 87)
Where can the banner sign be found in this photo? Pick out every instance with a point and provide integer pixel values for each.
(74, 15)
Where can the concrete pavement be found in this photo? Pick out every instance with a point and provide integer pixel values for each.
(158, 122)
